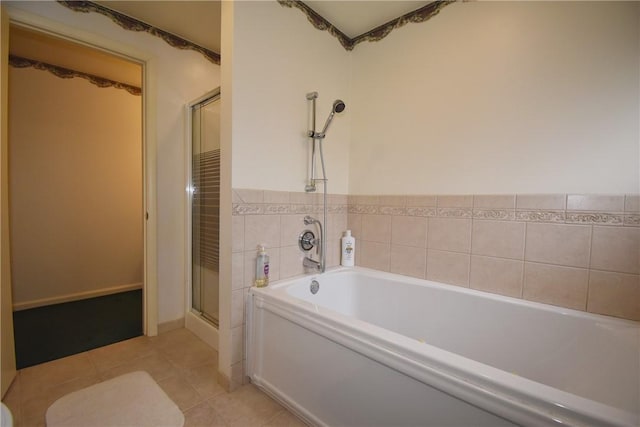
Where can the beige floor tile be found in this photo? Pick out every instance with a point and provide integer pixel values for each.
(190, 354)
(156, 364)
(246, 406)
(285, 419)
(204, 379)
(36, 379)
(203, 415)
(110, 356)
(35, 406)
(12, 398)
(174, 338)
(181, 392)
(189, 378)
(17, 419)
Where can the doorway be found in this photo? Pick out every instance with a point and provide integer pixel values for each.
(76, 196)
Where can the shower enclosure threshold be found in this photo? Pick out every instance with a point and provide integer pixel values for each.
(202, 328)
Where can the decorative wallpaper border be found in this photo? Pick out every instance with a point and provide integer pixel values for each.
(319, 22)
(419, 15)
(132, 24)
(66, 73)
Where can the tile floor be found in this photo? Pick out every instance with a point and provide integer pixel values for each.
(183, 365)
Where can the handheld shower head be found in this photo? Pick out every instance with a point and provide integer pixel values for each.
(338, 107)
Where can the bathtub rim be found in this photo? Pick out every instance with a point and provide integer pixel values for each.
(284, 283)
(500, 392)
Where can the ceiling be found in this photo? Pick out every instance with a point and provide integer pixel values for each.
(357, 17)
(195, 20)
(199, 21)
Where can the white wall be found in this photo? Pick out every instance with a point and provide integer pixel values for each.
(76, 187)
(500, 97)
(179, 76)
(278, 58)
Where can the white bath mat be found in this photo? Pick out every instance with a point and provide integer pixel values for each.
(130, 400)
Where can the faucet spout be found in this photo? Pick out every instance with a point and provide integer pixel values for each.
(309, 263)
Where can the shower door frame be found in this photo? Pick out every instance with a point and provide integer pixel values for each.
(204, 329)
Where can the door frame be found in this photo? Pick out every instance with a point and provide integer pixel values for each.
(149, 143)
(7, 347)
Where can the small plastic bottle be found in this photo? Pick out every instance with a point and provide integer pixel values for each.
(262, 268)
(348, 249)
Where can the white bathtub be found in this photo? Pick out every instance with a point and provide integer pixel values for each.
(378, 349)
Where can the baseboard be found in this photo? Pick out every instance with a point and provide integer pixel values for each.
(170, 325)
(76, 296)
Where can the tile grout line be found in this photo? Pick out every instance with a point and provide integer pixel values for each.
(524, 262)
(470, 251)
(586, 305)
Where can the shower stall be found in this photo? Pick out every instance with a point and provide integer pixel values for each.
(204, 204)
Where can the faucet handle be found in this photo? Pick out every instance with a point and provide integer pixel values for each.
(307, 240)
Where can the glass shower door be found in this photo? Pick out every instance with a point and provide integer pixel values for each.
(205, 207)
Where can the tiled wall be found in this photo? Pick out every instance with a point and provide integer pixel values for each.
(575, 251)
(581, 252)
(275, 219)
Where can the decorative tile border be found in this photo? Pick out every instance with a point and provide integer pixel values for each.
(421, 211)
(363, 209)
(540, 216)
(66, 73)
(283, 209)
(247, 209)
(419, 15)
(455, 212)
(495, 214)
(367, 205)
(595, 218)
(254, 202)
(392, 210)
(632, 220)
(132, 24)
